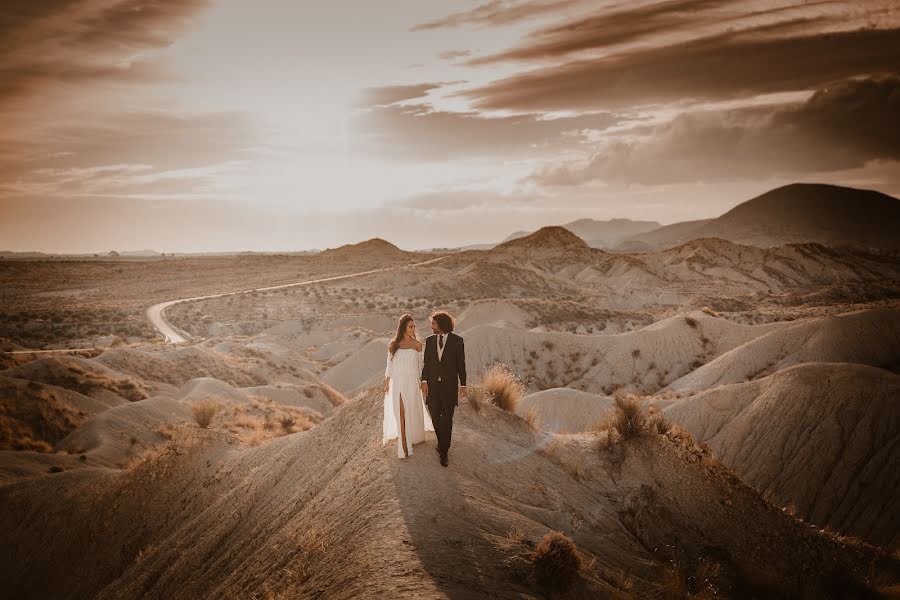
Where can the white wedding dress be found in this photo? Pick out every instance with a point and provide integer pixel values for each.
(404, 370)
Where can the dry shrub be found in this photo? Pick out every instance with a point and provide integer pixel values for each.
(473, 398)
(335, 397)
(204, 410)
(530, 417)
(502, 387)
(699, 585)
(691, 321)
(628, 418)
(658, 421)
(555, 560)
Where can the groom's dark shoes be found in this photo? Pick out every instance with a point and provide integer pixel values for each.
(443, 459)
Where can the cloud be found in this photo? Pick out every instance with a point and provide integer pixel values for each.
(64, 40)
(727, 65)
(389, 94)
(662, 23)
(499, 12)
(453, 54)
(418, 134)
(605, 29)
(842, 126)
(455, 200)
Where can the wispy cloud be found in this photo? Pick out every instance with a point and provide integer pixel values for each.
(500, 12)
(728, 65)
(840, 127)
(416, 133)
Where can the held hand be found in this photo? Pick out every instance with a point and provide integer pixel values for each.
(463, 392)
(424, 389)
(387, 385)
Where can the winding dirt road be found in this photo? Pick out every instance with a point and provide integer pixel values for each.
(174, 335)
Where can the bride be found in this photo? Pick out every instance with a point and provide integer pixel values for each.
(405, 416)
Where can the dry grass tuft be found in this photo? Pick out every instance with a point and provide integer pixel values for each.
(658, 421)
(699, 585)
(627, 420)
(204, 410)
(502, 387)
(335, 397)
(530, 417)
(555, 560)
(710, 311)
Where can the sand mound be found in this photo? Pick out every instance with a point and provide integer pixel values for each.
(89, 377)
(35, 416)
(492, 312)
(209, 387)
(176, 366)
(564, 410)
(870, 337)
(643, 360)
(310, 396)
(364, 367)
(821, 437)
(18, 465)
(121, 433)
(329, 513)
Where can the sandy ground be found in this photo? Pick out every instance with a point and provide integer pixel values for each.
(782, 363)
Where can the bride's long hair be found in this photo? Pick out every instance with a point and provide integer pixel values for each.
(401, 331)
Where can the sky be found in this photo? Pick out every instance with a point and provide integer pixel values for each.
(278, 125)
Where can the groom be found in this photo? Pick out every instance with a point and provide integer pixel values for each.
(444, 369)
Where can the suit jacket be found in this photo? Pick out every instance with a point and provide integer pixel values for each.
(450, 368)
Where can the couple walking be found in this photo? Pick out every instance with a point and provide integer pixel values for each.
(432, 371)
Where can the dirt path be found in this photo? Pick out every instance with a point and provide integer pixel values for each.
(174, 335)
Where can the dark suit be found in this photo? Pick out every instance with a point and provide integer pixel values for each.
(443, 375)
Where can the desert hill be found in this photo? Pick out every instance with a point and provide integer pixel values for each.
(646, 359)
(868, 337)
(328, 512)
(819, 437)
(601, 234)
(662, 237)
(545, 239)
(375, 248)
(565, 410)
(795, 213)
(554, 262)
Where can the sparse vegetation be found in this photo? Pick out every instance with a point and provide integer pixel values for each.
(502, 387)
(627, 419)
(204, 410)
(556, 561)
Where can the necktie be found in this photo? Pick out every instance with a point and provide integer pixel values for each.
(441, 342)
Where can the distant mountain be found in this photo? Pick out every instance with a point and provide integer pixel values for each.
(138, 253)
(795, 213)
(663, 237)
(601, 234)
(13, 254)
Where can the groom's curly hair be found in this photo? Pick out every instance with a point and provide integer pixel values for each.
(444, 321)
